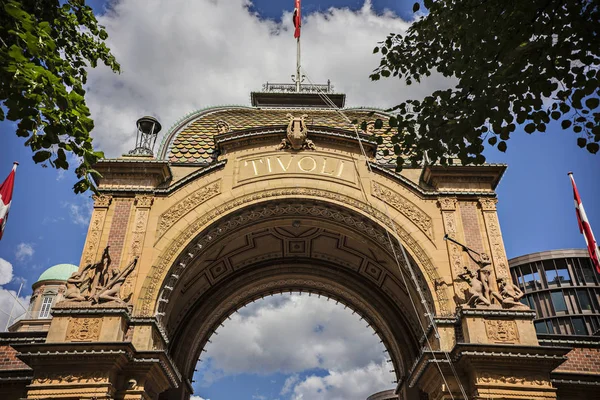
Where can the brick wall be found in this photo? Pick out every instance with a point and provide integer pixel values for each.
(581, 360)
(118, 229)
(9, 360)
(469, 214)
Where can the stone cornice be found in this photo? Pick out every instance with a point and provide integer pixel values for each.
(129, 173)
(491, 313)
(424, 192)
(439, 176)
(170, 189)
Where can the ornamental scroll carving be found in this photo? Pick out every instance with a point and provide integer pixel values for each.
(488, 378)
(174, 214)
(82, 377)
(406, 208)
(84, 329)
(501, 331)
(167, 258)
(495, 236)
(101, 201)
(95, 233)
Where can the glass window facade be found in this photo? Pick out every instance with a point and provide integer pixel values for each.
(564, 291)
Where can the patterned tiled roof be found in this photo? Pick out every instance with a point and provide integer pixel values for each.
(193, 143)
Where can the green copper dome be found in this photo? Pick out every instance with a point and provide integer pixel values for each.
(59, 272)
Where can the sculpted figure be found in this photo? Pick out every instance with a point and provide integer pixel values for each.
(297, 135)
(111, 291)
(73, 292)
(99, 272)
(476, 294)
(222, 126)
(509, 295)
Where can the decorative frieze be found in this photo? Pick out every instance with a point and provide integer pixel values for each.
(405, 207)
(174, 214)
(487, 378)
(70, 378)
(156, 275)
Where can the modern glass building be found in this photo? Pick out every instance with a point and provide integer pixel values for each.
(563, 288)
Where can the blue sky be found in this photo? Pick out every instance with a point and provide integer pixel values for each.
(184, 71)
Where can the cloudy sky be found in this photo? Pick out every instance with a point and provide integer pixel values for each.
(178, 56)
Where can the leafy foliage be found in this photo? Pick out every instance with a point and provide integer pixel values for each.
(516, 62)
(44, 51)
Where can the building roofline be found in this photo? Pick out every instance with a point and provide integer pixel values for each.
(547, 255)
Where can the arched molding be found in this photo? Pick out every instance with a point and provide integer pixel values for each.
(212, 309)
(174, 251)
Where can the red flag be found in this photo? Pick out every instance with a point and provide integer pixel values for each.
(6, 192)
(585, 228)
(297, 19)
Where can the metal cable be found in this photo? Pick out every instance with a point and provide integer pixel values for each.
(329, 102)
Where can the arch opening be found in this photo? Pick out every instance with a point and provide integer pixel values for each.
(306, 245)
(296, 343)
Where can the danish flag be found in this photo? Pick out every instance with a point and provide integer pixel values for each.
(585, 228)
(6, 192)
(297, 19)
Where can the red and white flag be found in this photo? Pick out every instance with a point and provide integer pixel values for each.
(297, 19)
(585, 228)
(6, 192)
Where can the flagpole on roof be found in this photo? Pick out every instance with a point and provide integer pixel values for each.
(297, 23)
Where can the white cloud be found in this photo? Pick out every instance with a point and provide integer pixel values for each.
(358, 383)
(79, 213)
(179, 56)
(24, 251)
(198, 398)
(6, 271)
(7, 297)
(289, 383)
(290, 334)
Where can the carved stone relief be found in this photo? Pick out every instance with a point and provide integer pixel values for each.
(447, 203)
(174, 214)
(501, 331)
(167, 258)
(95, 232)
(83, 329)
(102, 201)
(495, 237)
(76, 378)
(490, 378)
(222, 127)
(406, 208)
(296, 138)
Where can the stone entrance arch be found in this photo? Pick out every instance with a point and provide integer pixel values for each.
(290, 244)
(244, 202)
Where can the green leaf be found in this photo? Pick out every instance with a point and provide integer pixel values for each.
(581, 142)
(378, 123)
(592, 103)
(41, 156)
(565, 124)
(492, 141)
(502, 146)
(593, 147)
(530, 128)
(416, 7)
(375, 50)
